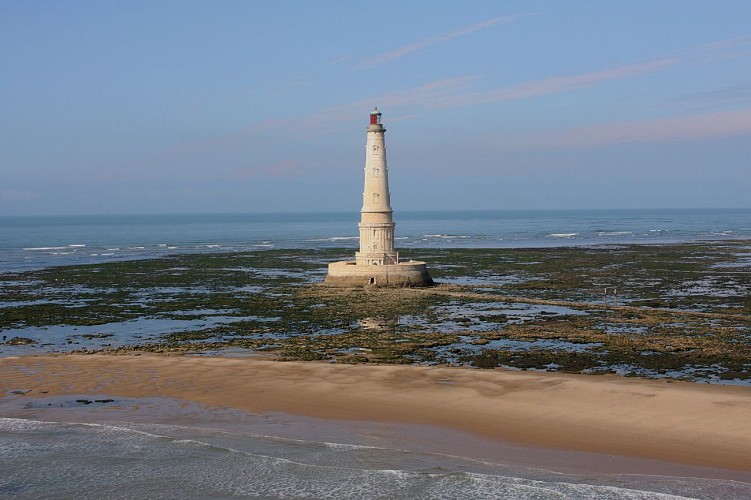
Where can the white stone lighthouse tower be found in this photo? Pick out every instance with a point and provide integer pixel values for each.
(376, 225)
(377, 263)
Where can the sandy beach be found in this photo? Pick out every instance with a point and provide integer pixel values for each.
(671, 421)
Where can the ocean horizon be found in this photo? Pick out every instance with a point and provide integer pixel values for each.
(34, 242)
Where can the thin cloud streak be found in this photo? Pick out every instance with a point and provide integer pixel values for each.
(738, 41)
(457, 92)
(285, 168)
(736, 94)
(424, 97)
(427, 42)
(553, 85)
(18, 195)
(705, 54)
(709, 53)
(694, 127)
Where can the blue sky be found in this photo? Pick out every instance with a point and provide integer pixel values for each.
(185, 106)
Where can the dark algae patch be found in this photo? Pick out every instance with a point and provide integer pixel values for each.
(19, 341)
(675, 311)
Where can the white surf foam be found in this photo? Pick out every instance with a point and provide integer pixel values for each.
(615, 233)
(562, 235)
(446, 236)
(42, 249)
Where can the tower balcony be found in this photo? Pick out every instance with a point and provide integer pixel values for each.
(376, 258)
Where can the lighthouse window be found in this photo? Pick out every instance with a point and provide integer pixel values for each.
(375, 197)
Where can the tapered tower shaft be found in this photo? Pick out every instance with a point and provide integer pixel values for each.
(376, 225)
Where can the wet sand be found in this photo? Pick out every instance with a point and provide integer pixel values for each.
(678, 422)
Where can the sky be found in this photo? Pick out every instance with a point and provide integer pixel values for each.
(261, 106)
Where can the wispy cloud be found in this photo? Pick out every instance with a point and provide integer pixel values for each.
(736, 94)
(556, 84)
(460, 91)
(196, 146)
(286, 168)
(18, 195)
(421, 97)
(340, 60)
(730, 43)
(553, 85)
(709, 53)
(693, 127)
(427, 42)
(721, 45)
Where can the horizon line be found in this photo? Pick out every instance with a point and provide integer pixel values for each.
(322, 212)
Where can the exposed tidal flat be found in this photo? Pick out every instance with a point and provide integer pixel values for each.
(680, 311)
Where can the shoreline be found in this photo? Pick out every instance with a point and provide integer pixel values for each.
(676, 422)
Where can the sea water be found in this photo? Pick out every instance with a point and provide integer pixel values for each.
(161, 448)
(38, 242)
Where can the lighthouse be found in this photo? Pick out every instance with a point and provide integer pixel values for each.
(376, 225)
(377, 262)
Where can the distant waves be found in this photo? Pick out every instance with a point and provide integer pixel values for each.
(38, 242)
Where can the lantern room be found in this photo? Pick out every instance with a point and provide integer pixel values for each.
(375, 117)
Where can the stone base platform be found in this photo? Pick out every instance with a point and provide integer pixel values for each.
(404, 274)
